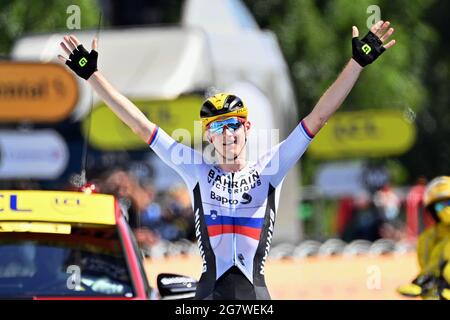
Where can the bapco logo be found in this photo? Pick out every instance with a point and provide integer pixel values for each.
(247, 198)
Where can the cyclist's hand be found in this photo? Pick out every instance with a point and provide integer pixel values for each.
(82, 62)
(369, 48)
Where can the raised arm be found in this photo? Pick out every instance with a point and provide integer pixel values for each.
(84, 64)
(365, 51)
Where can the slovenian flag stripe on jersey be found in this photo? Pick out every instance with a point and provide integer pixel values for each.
(253, 233)
(239, 221)
(250, 227)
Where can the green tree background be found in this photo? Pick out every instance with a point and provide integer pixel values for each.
(413, 77)
(315, 38)
(19, 17)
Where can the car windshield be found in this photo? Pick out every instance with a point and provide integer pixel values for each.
(86, 262)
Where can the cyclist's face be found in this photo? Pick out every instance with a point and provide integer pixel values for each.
(228, 135)
(442, 209)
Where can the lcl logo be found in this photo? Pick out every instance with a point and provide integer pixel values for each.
(68, 202)
(12, 205)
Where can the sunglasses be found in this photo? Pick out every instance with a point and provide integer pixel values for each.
(441, 205)
(232, 124)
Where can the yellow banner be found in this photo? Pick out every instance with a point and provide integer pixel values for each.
(108, 132)
(37, 92)
(368, 133)
(57, 206)
(36, 227)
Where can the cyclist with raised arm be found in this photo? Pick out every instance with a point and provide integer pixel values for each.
(235, 200)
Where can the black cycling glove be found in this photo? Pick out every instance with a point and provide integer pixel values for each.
(368, 49)
(82, 62)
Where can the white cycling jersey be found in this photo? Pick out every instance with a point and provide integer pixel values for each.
(234, 212)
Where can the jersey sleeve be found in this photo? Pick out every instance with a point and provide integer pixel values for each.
(281, 158)
(181, 158)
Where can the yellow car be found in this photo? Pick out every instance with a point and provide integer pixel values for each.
(73, 245)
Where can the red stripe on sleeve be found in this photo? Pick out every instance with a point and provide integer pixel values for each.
(149, 142)
(308, 132)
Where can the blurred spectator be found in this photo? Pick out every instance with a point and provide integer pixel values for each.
(365, 221)
(387, 201)
(138, 201)
(344, 214)
(178, 211)
(149, 221)
(414, 210)
(388, 204)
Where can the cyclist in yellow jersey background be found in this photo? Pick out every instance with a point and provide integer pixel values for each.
(235, 200)
(433, 247)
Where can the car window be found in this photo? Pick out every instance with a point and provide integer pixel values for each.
(87, 262)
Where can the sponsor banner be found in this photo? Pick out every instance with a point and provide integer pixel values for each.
(368, 133)
(36, 92)
(109, 133)
(32, 155)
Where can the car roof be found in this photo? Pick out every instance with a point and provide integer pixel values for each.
(57, 206)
